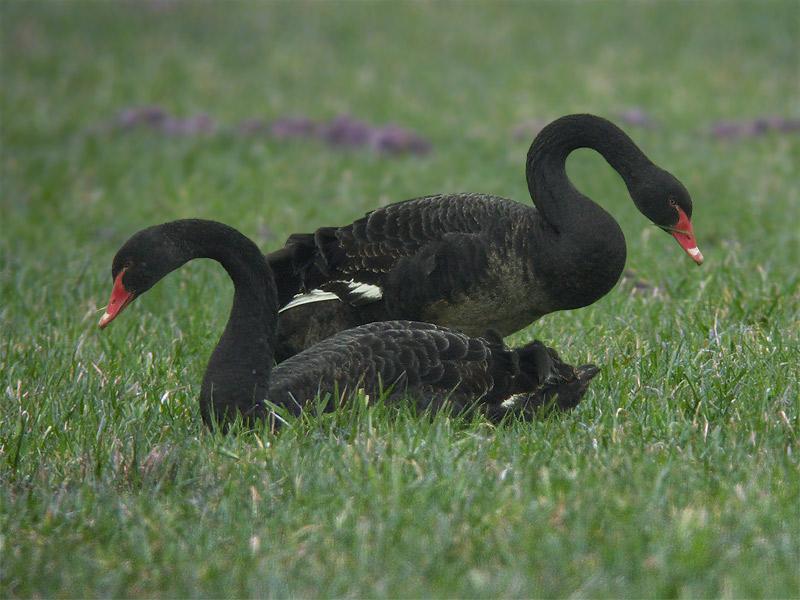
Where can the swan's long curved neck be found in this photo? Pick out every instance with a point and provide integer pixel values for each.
(238, 372)
(561, 205)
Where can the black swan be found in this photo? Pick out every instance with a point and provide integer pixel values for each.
(430, 364)
(473, 261)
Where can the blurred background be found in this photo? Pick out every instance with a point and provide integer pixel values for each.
(473, 80)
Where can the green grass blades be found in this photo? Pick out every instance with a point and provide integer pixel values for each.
(676, 477)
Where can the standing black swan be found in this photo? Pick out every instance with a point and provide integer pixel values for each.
(431, 364)
(474, 261)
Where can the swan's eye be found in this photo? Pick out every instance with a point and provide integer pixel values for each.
(673, 202)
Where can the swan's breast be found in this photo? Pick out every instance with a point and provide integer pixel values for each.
(508, 299)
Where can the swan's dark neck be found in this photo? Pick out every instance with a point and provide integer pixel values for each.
(584, 254)
(561, 205)
(237, 376)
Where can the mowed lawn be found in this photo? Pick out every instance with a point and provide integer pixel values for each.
(676, 477)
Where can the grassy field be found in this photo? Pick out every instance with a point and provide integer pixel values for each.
(678, 476)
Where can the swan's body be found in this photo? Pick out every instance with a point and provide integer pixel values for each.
(474, 261)
(429, 364)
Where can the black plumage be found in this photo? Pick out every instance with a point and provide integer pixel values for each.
(428, 364)
(474, 261)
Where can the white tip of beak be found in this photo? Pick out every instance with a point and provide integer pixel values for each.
(696, 254)
(104, 319)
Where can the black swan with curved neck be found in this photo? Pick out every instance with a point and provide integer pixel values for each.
(432, 365)
(474, 261)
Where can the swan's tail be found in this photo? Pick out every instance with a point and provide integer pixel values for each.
(547, 382)
(568, 390)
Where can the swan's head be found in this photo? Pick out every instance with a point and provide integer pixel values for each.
(140, 263)
(666, 202)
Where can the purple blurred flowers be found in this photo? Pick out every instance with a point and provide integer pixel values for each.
(754, 127)
(340, 132)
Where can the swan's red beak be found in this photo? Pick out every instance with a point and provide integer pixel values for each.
(684, 233)
(120, 298)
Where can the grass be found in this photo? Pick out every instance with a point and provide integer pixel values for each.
(677, 476)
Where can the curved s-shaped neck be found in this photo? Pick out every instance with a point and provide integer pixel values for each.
(561, 205)
(237, 376)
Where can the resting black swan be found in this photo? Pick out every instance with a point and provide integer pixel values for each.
(428, 363)
(474, 261)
